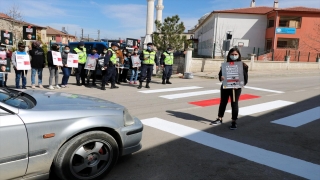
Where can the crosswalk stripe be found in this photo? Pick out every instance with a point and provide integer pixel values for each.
(272, 159)
(190, 94)
(300, 119)
(170, 89)
(257, 108)
(262, 89)
(216, 101)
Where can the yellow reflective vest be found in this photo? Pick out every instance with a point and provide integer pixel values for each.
(150, 57)
(113, 58)
(169, 58)
(82, 55)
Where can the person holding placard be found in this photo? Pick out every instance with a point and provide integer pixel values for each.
(53, 68)
(135, 64)
(234, 94)
(166, 62)
(65, 69)
(4, 55)
(81, 72)
(93, 55)
(3, 76)
(37, 63)
(20, 74)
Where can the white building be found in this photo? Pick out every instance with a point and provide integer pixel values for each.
(245, 24)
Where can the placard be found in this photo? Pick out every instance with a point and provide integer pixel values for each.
(56, 57)
(233, 75)
(72, 60)
(6, 38)
(91, 63)
(29, 33)
(7, 65)
(136, 62)
(23, 62)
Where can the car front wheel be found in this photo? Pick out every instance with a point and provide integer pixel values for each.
(88, 156)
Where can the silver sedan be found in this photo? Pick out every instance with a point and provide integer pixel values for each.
(73, 136)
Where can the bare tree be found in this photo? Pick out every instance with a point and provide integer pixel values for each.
(15, 22)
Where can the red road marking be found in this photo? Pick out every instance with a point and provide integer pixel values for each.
(216, 101)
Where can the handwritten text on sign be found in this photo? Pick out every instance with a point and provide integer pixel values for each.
(23, 62)
(72, 60)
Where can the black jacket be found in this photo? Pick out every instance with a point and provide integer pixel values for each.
(38, 58)
(50, 59)
(245, 73)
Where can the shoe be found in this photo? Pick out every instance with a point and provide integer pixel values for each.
(78, 83)
(135, 82)
(107, 84)
(63, 86)
(130, 82)
(125, 81)
(140, 85)
(58, 87)
(94, 84)
(118, 82)
(51, 87)
(24, 88)
(168, 82)
(40, 86)
(103, 88)
(233, 126)
(163, 82)
(114, 87)
(33, 86)
(216, 122)
(147, 85)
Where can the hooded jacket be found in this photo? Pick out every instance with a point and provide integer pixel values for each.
(37, 57)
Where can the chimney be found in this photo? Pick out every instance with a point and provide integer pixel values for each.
(253, 3)
(276, 4)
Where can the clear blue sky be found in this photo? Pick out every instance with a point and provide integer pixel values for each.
(123, 18)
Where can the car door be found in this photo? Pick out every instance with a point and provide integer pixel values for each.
(13, 145)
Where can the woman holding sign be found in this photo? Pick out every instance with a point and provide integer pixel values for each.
(21, 63)
(135, 63)
(65, 69)
(234, 93)
(53, 66)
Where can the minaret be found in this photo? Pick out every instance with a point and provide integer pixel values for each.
(150, 22)
(253, 3)
(276, 4)
(159, 8)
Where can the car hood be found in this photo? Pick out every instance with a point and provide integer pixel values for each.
(48, 100)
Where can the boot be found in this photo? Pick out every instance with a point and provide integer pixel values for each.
(168, 82)
(140, 85)
(113, 86)
(103, 87)
(163, 81)
(147, 85)
(78, 83)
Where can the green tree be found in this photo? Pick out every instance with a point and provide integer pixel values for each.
(169, 33)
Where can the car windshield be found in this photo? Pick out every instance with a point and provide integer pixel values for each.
(21, 101)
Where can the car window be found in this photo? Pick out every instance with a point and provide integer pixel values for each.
(21, 102)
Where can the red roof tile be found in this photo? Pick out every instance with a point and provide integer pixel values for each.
(53, 31)
(300, 8)
(2, 15)
(250, 10)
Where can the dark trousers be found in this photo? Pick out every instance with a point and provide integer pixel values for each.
(167, 72)
(81, 73)
(224, 95)
(93, 74)
(124, 75)
(20, 75)
(110, 73)
(3, 79)
(146, 72)
(66, 74)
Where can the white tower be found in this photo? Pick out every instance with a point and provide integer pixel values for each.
(159, 8)
(253, 3)
(276, 4)
(150, 22)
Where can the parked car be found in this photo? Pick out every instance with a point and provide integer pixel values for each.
(74, 136)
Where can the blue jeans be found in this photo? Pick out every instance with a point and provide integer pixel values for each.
(20, 74)
(134, 74)
(66, 74)
(34, 71)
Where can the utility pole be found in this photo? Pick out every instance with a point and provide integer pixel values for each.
(88, 38)
(81, 34)
(99, 35)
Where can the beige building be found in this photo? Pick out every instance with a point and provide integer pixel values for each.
(57, 36)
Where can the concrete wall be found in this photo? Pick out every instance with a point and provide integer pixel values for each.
(243, 26)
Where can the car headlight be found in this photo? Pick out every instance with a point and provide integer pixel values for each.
(128, 119)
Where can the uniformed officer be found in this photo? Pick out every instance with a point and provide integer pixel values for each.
(110, 61)
(81, 72)
(148, 58)
(166, 62)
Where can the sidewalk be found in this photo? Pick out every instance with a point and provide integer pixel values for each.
(253, 74)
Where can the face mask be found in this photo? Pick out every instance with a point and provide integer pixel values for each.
(66, 51)
(116, 48)
(233, 58)
(149, 48)
(169, 52)
(136, 52)
(125, 53)
(81, 46)
(105, 52)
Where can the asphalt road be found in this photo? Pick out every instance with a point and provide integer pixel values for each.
(179, 142)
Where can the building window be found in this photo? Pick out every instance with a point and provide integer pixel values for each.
(268, 44)
(53, 38)
(271, 22)
(290, 21)
(288, 43)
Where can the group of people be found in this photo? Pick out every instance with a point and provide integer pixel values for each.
(114, 66)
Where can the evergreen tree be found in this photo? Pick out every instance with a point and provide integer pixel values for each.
(169, 33)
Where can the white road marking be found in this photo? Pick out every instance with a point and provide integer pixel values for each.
(300, 90)
(300, 119)
(257, 108)
(272, 94)
(261, 89)
(272, 159)
(186, 109)
(170, 89)
(190, 94)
